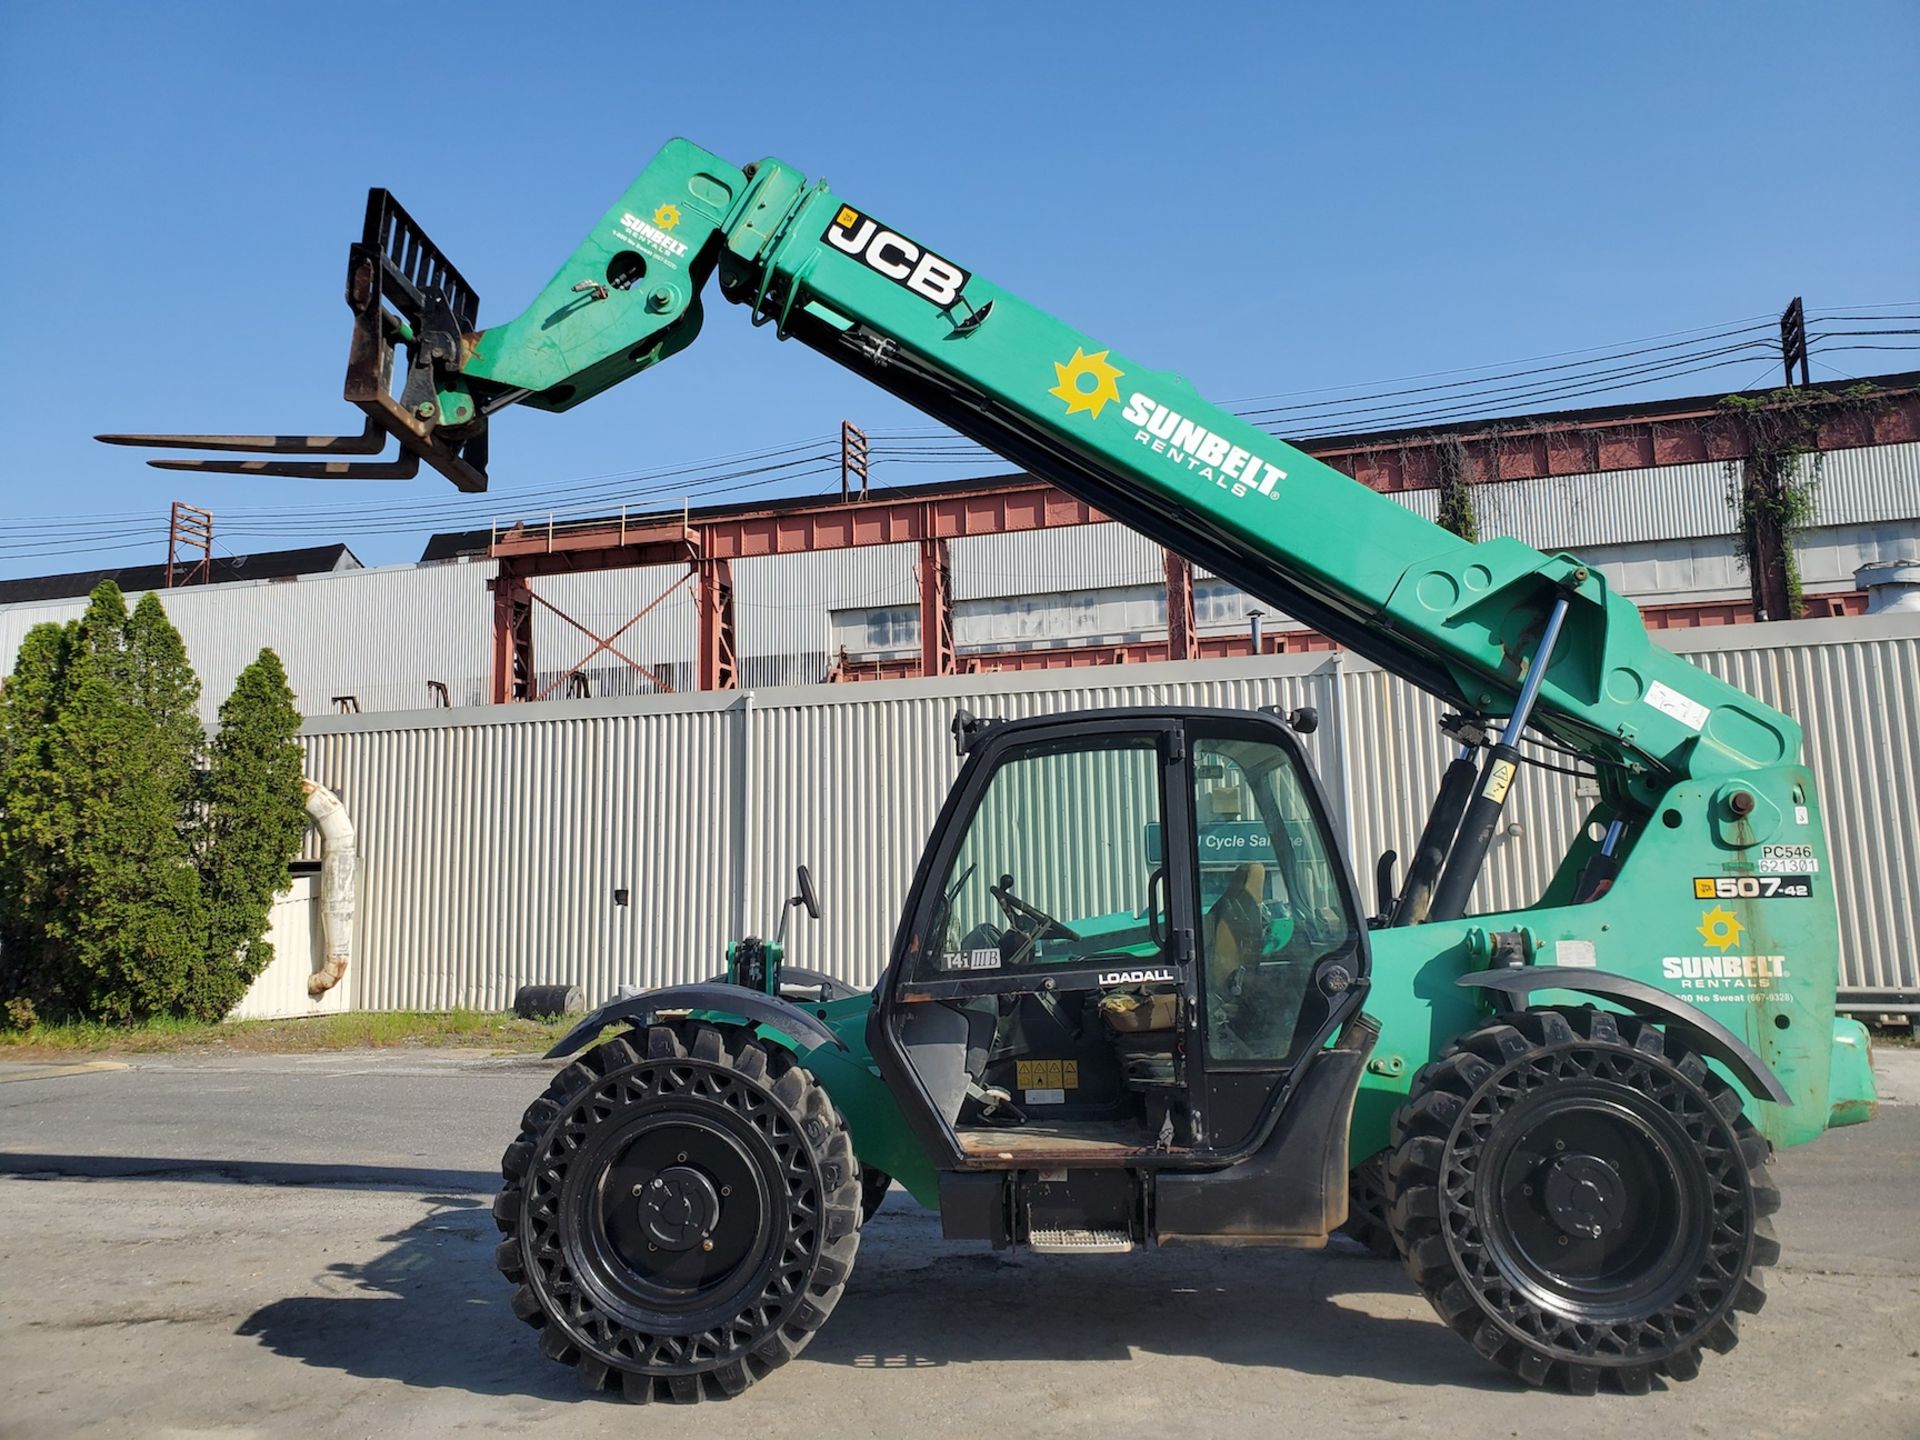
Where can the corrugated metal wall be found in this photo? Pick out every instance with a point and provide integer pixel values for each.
(492, 843)
(784, 604)
(494, 840)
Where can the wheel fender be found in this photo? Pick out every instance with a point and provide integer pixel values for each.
(1649, 1002)
(733, 1001)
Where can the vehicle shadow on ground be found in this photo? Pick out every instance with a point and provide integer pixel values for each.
(431, 1311)
(916, 1302)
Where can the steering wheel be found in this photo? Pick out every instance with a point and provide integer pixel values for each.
(1033, 922)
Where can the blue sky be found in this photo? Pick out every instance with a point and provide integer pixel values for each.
(1323, 195)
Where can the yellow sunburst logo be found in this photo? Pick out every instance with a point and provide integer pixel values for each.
(1719, 928)
(667, 216)
(1087, 382)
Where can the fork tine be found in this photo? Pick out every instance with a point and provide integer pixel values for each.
(369, 441)
(404, 468)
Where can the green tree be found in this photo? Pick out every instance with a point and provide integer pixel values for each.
(254, 819)
(127, 909)
(160, 678)
(30, 969)
(138, 863)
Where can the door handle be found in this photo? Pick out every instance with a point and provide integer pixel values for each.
(1155, 931)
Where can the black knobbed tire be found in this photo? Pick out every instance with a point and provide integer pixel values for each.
(1367, 1222)
(1582, 1200)
(681, 1212)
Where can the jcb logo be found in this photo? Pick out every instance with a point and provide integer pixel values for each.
(896, 257)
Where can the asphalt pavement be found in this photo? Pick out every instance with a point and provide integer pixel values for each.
(301, 1245)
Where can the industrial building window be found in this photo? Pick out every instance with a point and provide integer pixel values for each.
(880, 630)
(1215, 602)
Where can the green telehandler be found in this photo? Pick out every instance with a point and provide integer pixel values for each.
(1134, 996)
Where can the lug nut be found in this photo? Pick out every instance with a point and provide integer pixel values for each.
(636, 1191)
(726, 1189)
(683, 1157)
(706, 1245)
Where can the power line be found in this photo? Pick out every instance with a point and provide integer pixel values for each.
(1387, 405)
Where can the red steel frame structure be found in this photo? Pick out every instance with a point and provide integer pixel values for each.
(1616, 438)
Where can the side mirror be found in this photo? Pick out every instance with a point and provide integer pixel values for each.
(1303, 721)
(807, 898)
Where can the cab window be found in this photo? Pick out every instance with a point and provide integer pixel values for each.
(1053, 866)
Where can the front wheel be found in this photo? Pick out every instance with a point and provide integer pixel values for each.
(680, 1214)
(1582, 1199)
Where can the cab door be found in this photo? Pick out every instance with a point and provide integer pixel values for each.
(1044, 908)
(1282, 950)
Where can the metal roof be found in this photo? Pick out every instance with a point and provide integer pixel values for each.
(227, 570)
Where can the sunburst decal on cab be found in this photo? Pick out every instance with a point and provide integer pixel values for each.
(667, 216)
(1087, 382)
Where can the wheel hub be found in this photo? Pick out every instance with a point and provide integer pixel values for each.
(1585, 1196)
(679, 1208)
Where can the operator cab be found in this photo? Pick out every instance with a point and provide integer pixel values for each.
(1129, 930)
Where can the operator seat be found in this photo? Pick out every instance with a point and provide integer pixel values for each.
(948, 1044)
(1236, 925)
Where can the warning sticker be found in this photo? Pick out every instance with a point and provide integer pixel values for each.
(1576, 953)
(1668, 701)
(1499, 781)
(1047, 1074)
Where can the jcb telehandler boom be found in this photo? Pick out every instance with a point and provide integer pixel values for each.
(1133, 997)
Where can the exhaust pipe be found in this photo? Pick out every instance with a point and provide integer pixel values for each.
(329, 817)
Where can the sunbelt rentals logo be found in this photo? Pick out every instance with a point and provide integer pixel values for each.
(1725, 974)
(1088, 383)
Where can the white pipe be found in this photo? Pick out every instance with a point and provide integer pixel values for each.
(336, 883)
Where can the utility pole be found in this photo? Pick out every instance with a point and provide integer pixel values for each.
(853, 459)
(1793, 343)
(189, 545)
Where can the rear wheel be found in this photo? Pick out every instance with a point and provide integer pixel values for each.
(681, 1212)
(874, 1185)
(1366, 1223)
(1582, 1200)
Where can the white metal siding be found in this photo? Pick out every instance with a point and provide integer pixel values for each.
(1859, 706)
(491, 851)
(783, 606)
(378, 635)
(299, 950)
(1080, 557)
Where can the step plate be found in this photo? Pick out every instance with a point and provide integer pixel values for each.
(1079, 1242)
